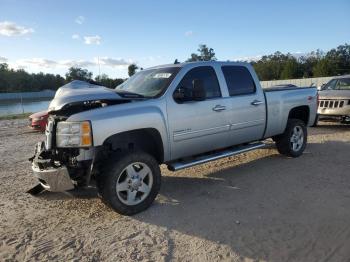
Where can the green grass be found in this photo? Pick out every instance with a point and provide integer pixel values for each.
(17, 116)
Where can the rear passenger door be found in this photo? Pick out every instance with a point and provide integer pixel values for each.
(247, 114)
(197, 126)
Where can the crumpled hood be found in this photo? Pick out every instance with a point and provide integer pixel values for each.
(334, 94)
(77, 91)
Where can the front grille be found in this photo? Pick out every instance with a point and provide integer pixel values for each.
(331, 103)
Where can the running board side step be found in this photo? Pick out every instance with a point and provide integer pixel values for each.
(175, 166)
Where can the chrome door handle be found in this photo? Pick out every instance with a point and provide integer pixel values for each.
(256, 102)
(219, 108)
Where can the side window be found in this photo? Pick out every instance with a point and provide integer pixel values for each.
(239, 80)
(207, 75)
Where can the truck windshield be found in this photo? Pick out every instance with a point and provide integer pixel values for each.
(148, 83)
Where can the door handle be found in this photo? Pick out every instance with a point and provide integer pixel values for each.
(256, 102)
(219, 108)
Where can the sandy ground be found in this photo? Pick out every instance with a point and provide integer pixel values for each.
(259, 206)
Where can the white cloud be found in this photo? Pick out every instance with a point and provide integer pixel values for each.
(114, 67)
(80, 20)
(11, 29)
(92, 40)
(75, 36)
(112, 62)
(3, 59)
(299, 54)
(44, 63)
(255, 58)
(248, 58)
(189, 33)
(38, 62)
(76, 63)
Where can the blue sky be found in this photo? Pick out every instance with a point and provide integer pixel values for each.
(50, 36)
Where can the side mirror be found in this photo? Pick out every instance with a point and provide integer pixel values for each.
(198, 92)
(179, 95)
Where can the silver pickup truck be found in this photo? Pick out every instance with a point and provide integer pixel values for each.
(180, 115)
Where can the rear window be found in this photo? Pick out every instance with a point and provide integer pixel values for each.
(239, 80)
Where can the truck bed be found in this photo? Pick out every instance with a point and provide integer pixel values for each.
(279, 102)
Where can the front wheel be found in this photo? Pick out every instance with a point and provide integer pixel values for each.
(293, 141)
(129, 183)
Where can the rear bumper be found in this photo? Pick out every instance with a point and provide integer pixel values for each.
(55, 179)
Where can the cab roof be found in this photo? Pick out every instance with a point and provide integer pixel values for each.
(201, 63)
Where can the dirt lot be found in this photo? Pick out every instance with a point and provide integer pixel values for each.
(257, 206)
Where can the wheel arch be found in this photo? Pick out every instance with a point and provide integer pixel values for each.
(300, 112)
(148, 140)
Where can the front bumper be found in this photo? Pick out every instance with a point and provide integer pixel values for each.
(52, 177)
(343, 111)
(55, 179)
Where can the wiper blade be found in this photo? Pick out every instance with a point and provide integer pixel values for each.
(128, 94)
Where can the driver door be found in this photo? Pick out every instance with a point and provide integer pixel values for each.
(198, 126)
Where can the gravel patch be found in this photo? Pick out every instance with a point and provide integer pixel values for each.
(255, 206)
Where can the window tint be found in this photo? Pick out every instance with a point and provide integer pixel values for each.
(207, 75)
(238, 80)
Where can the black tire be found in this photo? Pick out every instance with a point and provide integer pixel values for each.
(112, 172)
(316, 121)
(283, 141)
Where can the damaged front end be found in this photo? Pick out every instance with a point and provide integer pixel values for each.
(66, 159)
(60, 169)
(51, 176)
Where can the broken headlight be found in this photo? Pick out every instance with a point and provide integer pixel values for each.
(73, 134)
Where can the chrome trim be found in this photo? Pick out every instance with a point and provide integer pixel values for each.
(219, 108)
(247, 124)
(256, 102)
(226, 153)
(207, 131)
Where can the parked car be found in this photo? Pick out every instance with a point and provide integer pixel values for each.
(180, 115)
(334, 100)
(38, 121)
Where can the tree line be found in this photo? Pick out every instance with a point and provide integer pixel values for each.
(12, 80)
(315, 64)
(270, 67)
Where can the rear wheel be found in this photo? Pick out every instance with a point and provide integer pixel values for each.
(293, 141)
(129, 183)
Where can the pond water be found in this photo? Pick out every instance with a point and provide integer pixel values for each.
(10, 107)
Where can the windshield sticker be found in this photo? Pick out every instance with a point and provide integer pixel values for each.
(162, 75)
